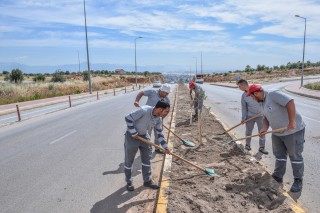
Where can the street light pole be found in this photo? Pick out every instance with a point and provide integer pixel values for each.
(304, 44)
(85, 21)
(135, 58)
(196, 64)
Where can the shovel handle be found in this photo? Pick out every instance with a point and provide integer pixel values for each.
(174, 155)
(173, 132)
(272, 131)
(245, 121)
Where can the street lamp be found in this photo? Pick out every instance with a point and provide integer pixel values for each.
(135, 58)
(196, 65)
(304, 44)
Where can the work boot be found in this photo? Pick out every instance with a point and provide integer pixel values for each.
(151, 184)
(263, 151)
(278, 179)
(130, 187)
(297, 185)
(195, 117)
(247, 147)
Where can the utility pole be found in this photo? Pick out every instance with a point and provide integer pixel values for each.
(201, 62)
(85, 22)
(79, 60)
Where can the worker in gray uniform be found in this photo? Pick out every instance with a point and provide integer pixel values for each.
(153, 97)
(199, 96)
(139, 123)
(279, 111)
(251, 108)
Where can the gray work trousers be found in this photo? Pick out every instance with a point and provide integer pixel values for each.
(249, 128)
(197, 105)
(291, 145)
(131, 146)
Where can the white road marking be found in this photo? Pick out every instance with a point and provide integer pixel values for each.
(70, 133)
(311, 119)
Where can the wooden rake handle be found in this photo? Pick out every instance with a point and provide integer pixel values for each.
(272, 131)
(174, 155)
(173, 132)
(245, 121)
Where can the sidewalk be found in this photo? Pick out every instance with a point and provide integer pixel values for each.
(293, 88)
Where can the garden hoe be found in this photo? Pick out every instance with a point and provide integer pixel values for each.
(185, 142)
(208, 171)
(245, 121)
(276, 130)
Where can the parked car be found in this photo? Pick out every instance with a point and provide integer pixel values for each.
(199, 79)
(156, 83)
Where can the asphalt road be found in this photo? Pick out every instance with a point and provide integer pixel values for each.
(67, 161)
(225, 104)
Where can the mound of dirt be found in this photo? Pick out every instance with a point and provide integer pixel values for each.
(243, 185)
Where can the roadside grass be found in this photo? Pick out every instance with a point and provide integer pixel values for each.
(313, 86)
(12, 93)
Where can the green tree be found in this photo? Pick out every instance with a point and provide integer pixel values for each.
(4, 72)
(16, 76)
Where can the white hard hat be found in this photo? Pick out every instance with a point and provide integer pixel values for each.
(165, 88)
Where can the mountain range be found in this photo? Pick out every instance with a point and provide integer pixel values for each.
(93, 66)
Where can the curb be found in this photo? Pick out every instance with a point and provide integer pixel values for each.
(301, 94)
(162, 203)
(297, 208)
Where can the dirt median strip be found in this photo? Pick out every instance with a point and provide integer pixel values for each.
(243, 186)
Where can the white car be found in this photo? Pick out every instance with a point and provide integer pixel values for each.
(156, 84)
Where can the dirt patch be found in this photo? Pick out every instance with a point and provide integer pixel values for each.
(243, 185)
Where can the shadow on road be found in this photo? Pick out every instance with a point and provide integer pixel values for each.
(119, 201)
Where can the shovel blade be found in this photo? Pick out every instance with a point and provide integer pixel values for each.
(211, 172)
(188, 143)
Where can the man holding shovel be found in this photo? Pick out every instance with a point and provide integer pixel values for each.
(198, 98)
(251, 108)
(153, 97)
(279, 111)
(139, 123)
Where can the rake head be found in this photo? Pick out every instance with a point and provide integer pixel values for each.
(211, 172)
(188, 143)
(226, 143)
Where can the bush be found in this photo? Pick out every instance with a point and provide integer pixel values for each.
(85, 76)
(58, 77)
(313, 86)
(39, 77)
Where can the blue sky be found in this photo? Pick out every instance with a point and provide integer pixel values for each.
(230, 34)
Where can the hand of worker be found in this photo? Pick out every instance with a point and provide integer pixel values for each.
(167, 151)
(262, 132)
(136, 104)
(291, 125)
(242, 122)
(135, 136)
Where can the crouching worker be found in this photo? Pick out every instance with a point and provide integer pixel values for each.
(139, 123)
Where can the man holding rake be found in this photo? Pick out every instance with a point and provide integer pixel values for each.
(251, 108)
(279, 111)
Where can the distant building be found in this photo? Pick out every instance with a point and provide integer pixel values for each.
(119, 71)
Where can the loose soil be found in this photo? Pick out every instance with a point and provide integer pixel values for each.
(243, 185)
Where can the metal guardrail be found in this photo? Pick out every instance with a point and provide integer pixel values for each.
(16, 114)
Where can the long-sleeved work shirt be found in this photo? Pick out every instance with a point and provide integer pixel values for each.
(249, 107)
(141, 121)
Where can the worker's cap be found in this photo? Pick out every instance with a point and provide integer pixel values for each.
(254, 88)
(192, 85)
(165, 88)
